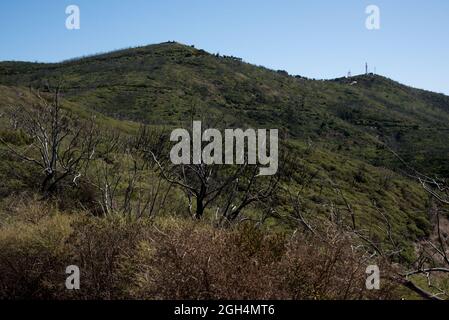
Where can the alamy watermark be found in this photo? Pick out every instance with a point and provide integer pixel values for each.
(72, 282)
(372, 22)
(73, 21)
(189, 149)
(373, 279)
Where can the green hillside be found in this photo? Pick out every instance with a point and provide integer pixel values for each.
(165, 83)
(340, 133)
(348, 121)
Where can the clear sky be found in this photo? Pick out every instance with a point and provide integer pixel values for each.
(313, 38)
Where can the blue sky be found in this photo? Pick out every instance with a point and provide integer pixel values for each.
(313, 38)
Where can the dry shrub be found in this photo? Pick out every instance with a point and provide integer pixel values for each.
(173, 259)
(198, 262)
(26, 207)
(101, 248)
(191, 261)
(33, 258)
(331, 268)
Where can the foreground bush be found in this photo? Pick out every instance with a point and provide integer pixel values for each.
(173, 259)
(191, 262)
(33, 257)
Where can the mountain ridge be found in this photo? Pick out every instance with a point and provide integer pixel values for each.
(127, 50)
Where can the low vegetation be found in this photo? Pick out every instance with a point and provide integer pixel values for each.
(172, 258)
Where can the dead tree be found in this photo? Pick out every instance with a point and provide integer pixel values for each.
(125, 186)
(433, 259)
(62, 146)
(247, 189)
(228, 188)
(201, 183)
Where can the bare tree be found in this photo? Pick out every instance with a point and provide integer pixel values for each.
(229, 188)
(433, 260)
(247, 189)
(62, 145)
(127, 186)
(433, 253)
(201, 183)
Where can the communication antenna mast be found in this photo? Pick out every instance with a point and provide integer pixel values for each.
(366, 68)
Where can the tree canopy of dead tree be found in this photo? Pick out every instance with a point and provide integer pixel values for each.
(228, 189)
(62, 145)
